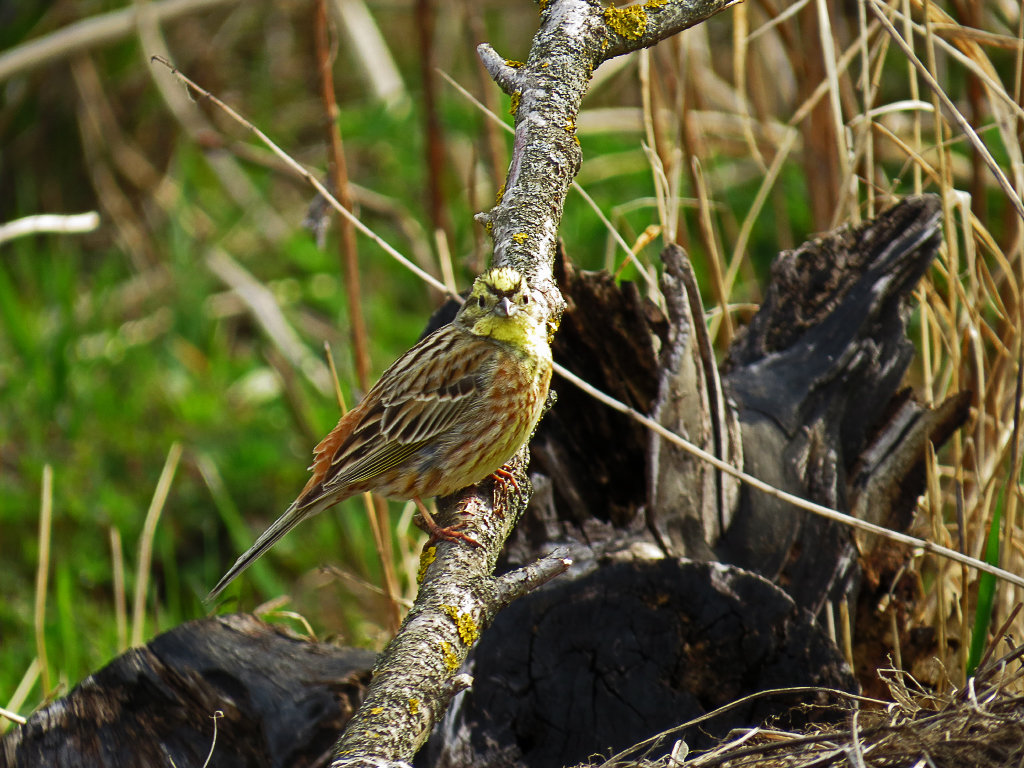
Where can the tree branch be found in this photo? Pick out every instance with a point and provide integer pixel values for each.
(575, 36)
(415, 677)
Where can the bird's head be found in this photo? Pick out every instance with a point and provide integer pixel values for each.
(503, 306)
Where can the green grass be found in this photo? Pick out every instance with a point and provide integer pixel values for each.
(106, 362)
(112, 348)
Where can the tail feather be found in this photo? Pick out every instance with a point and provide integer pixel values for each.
(294, 515)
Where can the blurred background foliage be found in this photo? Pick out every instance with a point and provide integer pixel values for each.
(149, 332)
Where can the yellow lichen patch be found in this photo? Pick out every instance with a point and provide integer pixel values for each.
(513, 63)
(631, 21)
(570, 126)
(376, 710)
(514, 106)
(427, 556)
(504, 279)
(500, 195)
(552, 329)
(414, 706)
(451, 661)
(469, 632)
(520, 237)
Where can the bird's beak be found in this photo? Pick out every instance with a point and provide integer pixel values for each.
(505, 308)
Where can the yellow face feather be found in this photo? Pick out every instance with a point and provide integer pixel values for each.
(503, 307)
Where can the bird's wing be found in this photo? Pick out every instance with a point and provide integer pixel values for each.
(433, 389)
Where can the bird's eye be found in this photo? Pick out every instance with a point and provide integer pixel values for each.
(524, 299)
(481, 301)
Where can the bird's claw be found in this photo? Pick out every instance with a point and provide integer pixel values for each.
(450, 533)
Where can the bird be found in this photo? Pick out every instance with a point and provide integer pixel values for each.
(447, 414)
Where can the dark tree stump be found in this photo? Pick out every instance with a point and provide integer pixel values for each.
(600, 662)
(284, 701)
(815, 383)
(816, 378)
(635, 639)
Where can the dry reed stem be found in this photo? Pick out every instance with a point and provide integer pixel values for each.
(21, 692)
(42, 574)
(377, 513)
(120, 595)
(92, 32)
(714, 250)
(340, 186)
(303, 173)
(145, 558)
(64, 224)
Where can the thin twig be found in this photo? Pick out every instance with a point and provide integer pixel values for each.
(631, 256)
(810, 506)
(299, 170)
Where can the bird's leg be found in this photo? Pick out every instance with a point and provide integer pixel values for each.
(437, 533)
(504, 478)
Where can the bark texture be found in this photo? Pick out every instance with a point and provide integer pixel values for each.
(281, 701)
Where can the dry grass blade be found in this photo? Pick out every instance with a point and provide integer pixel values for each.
(49, 222)
(958, 118)
(91, 33)
(264, 308)
(163, 488)
(120, 595)
(14, 717)
(20, 695)
(980, 726)
(711, 244)
(42, 573)
(339, 181)
(371, 52)
(637, 751)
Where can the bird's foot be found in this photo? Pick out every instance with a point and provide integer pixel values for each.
(505, 479)
(443, 533)
(450, 533)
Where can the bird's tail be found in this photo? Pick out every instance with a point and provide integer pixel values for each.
(294, 515)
